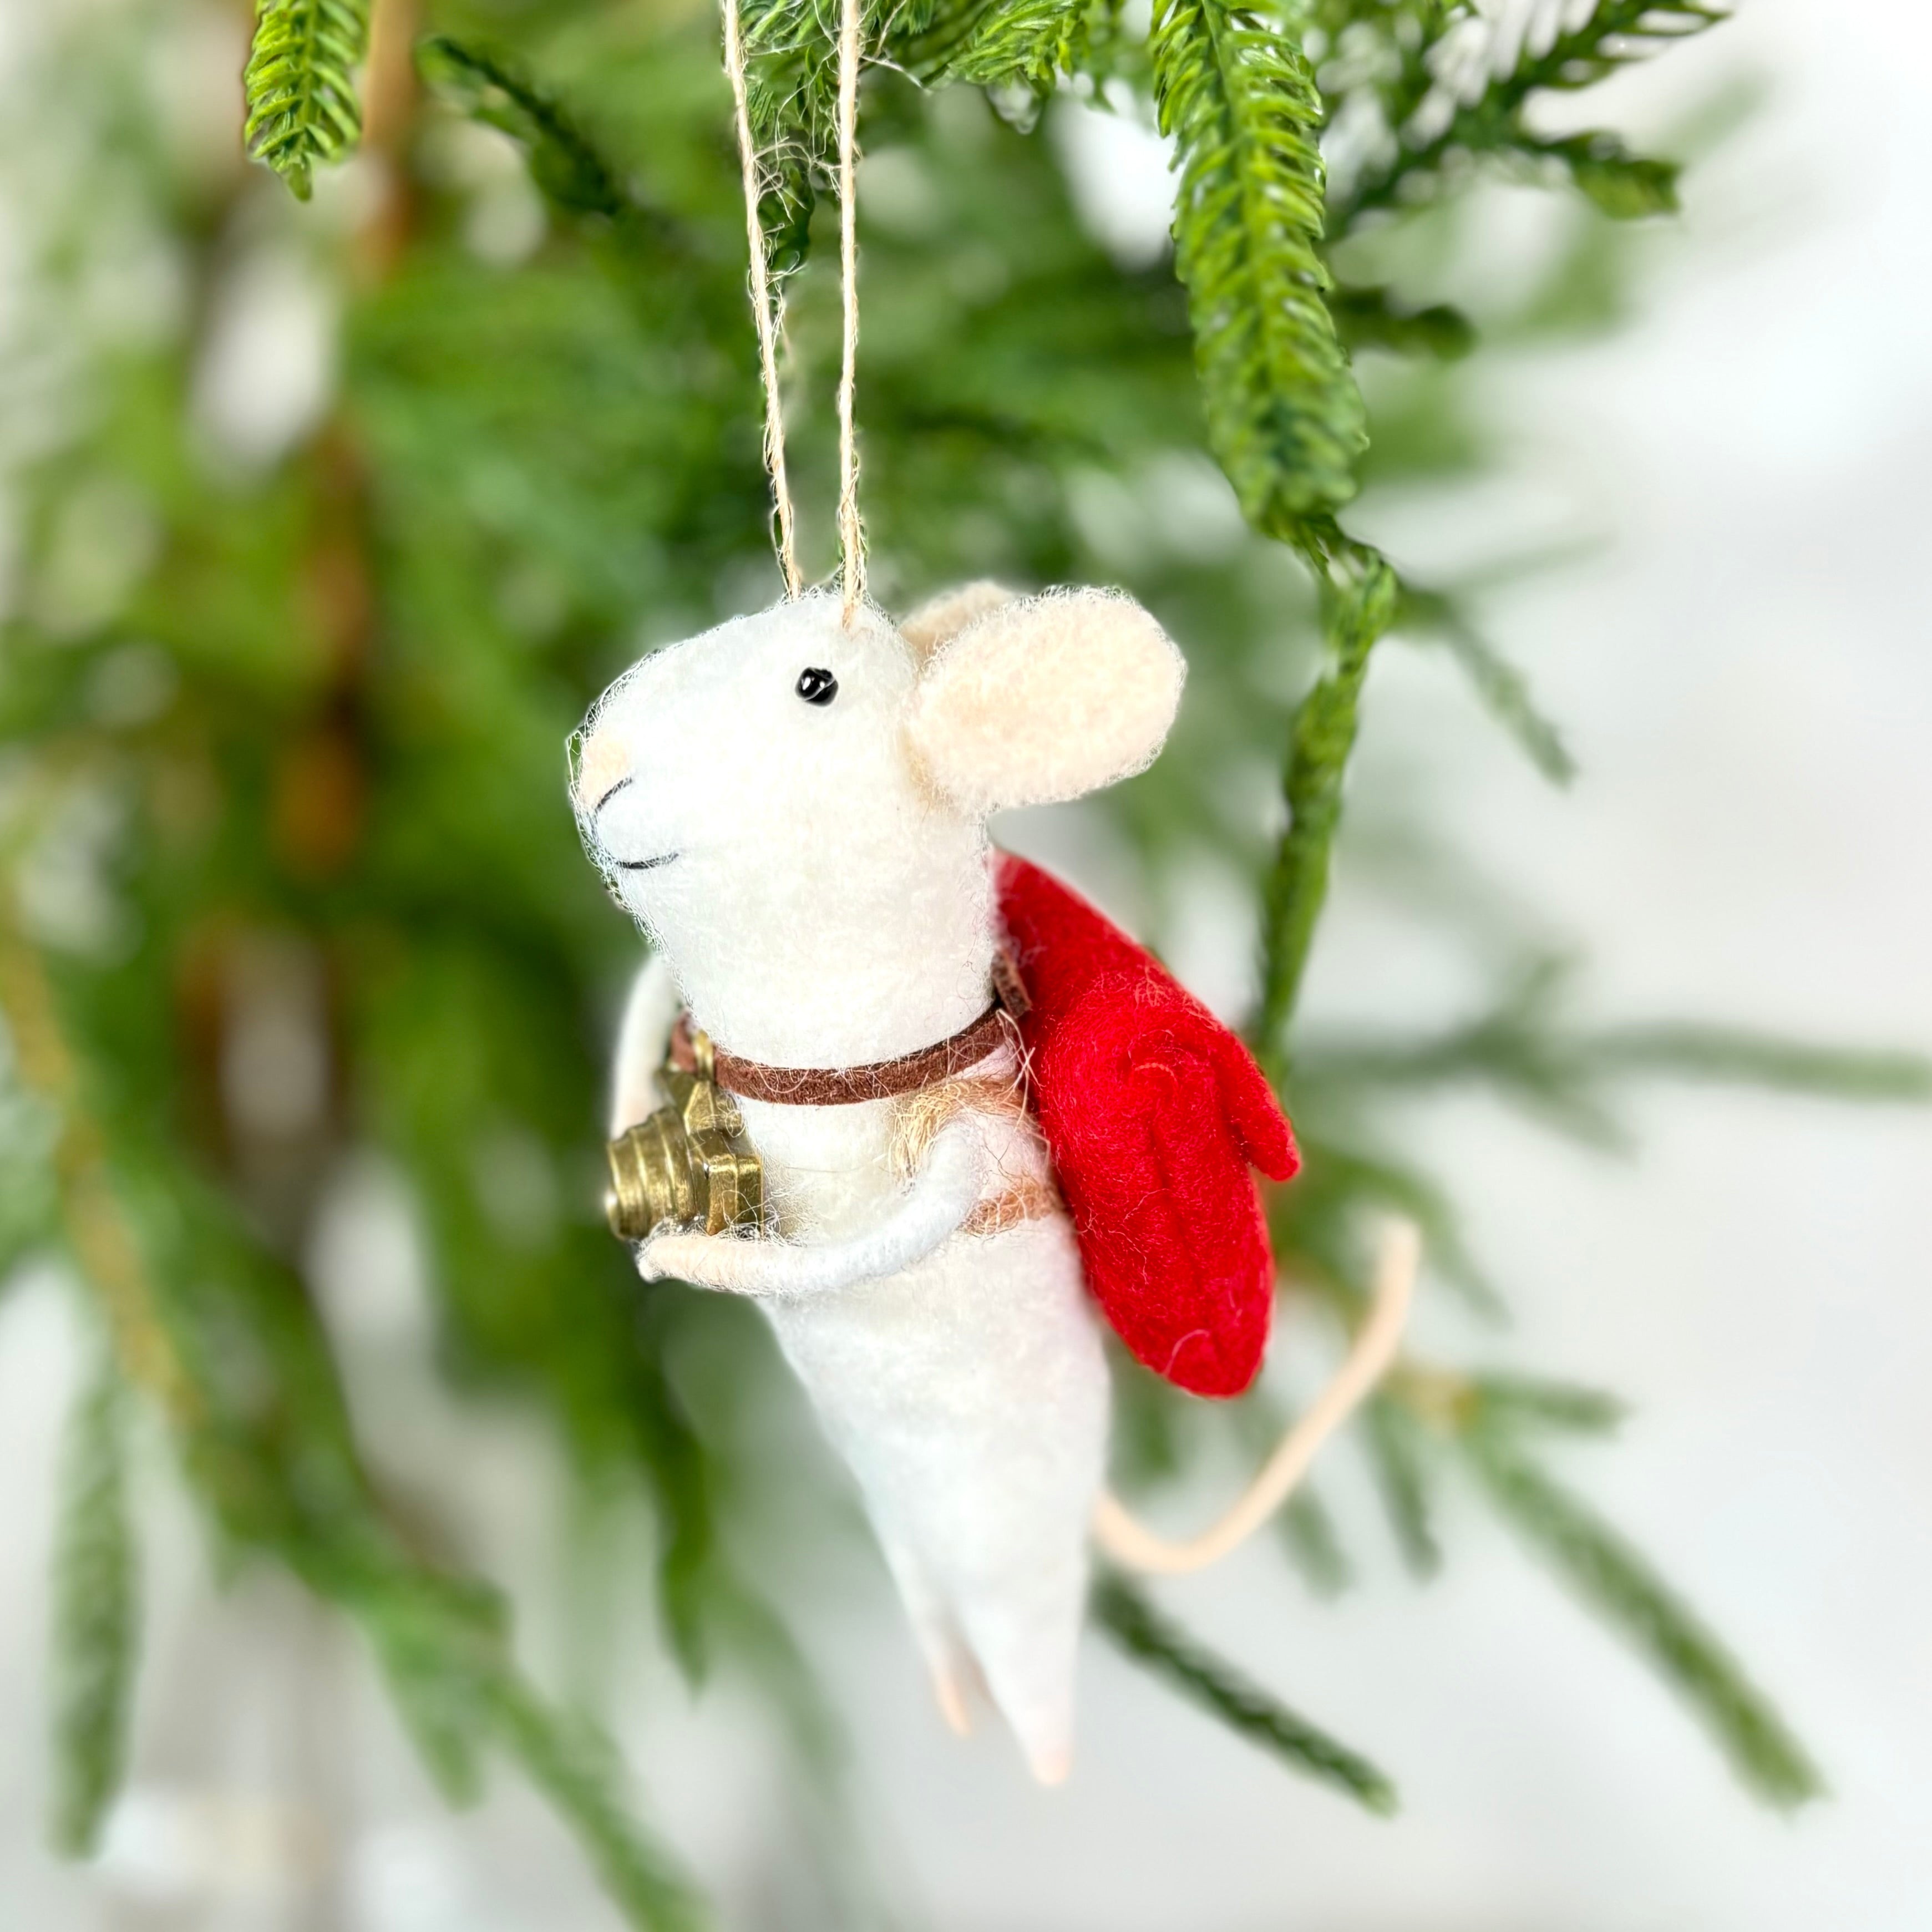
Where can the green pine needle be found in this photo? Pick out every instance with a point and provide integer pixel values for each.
(1314, 1545)
(1024, 43)
(1516, 1400)
(1392, 1437)
(1616, 33)
(1377, 318)
(1285, 419)
(1524, 1048)
(486, 86)
(1688, 1050)
(1624, 186)
(676, 1470)
(1617, 1582)
(1362, 593)
(573, 1764)
(96, 1620)
(1503, 689)
(1150, 1640)
(298, 86)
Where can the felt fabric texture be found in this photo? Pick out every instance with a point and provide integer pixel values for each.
(949, 613)
(817, 904)
(935, 1203)
(1045, 699)
(818, 882)
(1153, 1113)
(965, 1388)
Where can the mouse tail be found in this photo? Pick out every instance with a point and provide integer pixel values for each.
(1125, 1541)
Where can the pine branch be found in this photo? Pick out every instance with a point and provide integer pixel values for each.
(444, 1645)
(1611, 1576)
(1517, 1401)
(1032, 44)
(299, 86)
(96, 1619)
(1314, 1545)
(676, 1468)
(1361, 592)
(1009, 43)
(1285, 419)
(1504, 690)
(1402, 1481)
(1620, 184)
(1691, 1050)
(229, 1344)
(564, 163)
(1522, 1047)
(571, 1762)
(1335, 1181)
(1446, 99)
(1375, 318)
(1160, 1647)
(29, 1210)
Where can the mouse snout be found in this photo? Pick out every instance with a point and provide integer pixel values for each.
(601, 760)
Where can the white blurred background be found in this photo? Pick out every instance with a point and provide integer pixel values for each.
(1744, 672)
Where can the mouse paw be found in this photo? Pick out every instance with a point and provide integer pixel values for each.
(700, 1258)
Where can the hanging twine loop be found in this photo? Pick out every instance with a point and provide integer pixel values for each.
(851, 532)
(765, 309)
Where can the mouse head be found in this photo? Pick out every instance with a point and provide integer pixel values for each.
(791, 801)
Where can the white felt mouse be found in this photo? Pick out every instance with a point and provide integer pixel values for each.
(794, 806)
(828, 903)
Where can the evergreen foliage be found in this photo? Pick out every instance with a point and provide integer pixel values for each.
(1443, 84)
(1284, 419)
(486, 87)
(1149, 1639)
(1361, 607)
(284, 732)
(303, 108)
(1615, 1580)
(96, 1618)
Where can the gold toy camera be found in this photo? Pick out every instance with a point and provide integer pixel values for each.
(687, 1164)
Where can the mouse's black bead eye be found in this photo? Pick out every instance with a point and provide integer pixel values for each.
(817, 687)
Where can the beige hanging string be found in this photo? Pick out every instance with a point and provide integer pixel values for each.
(1134, 1547)
(761, 303)
(851, 533)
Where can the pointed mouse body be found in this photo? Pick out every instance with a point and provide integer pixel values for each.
(830, 904)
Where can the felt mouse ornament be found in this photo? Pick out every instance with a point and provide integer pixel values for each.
(984, 1120)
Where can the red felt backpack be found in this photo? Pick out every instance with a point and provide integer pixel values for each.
(1154, 1114)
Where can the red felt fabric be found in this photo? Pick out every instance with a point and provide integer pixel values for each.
(1153, 1113)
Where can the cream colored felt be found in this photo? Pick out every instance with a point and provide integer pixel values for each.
(1044, 699)
(947, 614)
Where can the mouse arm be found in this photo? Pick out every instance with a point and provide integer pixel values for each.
(943, 1194)
(648, 1015)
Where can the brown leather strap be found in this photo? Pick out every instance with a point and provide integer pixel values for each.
(842, 1086)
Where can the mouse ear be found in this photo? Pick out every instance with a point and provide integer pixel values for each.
(1045, 698)
(942, 618)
